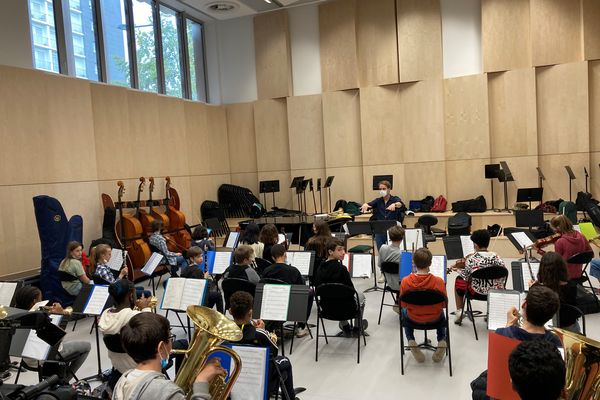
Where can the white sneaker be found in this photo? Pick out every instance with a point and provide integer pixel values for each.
(416, 351)
(381, 279)
(301, 332)
(440, 352)
(458, 317)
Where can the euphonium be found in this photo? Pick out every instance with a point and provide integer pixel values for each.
(212, 328)
(3, 312)
(582, 361)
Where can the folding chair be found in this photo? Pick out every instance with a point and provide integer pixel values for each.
(584, 259)
(571, 310)
(232, 285)
(338, 302)
(389, 268)
(261, 265)
(425, 298)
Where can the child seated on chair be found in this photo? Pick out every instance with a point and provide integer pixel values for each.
(333, 271)
(392, 253)
(243, 257)
(482, 258)
(195, 270)
(422, 279)
(175, 260)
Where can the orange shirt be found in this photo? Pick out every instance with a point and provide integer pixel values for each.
(423, 282)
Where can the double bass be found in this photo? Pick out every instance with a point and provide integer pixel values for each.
(177, 225)
(147, 218)
(129, 231)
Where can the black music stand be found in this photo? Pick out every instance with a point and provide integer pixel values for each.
(527, 195)
(453, 247)
(572, 177)
(269, 187)
(320, 196)
(296, 182)
(541, 177)
(529, 218)
(378, 227)
(303, 188)
(328, 183)
(492, 171)
(587, 177)
(379, 178)
(505, 177)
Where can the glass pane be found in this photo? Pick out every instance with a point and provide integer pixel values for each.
(145, 45)
(114, 26)
(83, 39)
(43, 35)
(170, 49)
(196, 55)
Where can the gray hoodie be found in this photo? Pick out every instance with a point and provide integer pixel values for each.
(151, 385)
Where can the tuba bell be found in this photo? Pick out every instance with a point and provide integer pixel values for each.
(582, 362)
(212, 328)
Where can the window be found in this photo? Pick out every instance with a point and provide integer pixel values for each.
(145, 46)
(195, 44)
(170, 51)
(43, 34)
(83, 39)
(114, 25)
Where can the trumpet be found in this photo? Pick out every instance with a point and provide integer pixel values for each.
(153, 302)
(66, 311)
(3, 312)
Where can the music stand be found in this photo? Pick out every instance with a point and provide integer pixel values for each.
(320, 196)
(587, 176)
(492, 171)
(269, 187)
(525, 195)
(296, 182)
(571, 178)
(379, 178)
(529, 218)
(328, 183)
(505, 176)
(541, 177)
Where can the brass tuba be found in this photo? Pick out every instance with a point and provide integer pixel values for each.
(582, 361)
(212, 328)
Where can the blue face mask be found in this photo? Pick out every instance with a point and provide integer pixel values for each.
(164, 362)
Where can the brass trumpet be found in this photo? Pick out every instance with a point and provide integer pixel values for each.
(153, 302)
(3, 312)
(66, 311)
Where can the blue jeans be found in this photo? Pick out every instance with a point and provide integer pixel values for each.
(180, 262)
(409, 329)
(595, 268)
(380, 240)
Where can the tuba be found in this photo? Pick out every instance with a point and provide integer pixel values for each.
(212, 328)
(582, 362)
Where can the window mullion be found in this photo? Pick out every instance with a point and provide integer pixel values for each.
(132, 53)
(186, 84)
(61, 42)
(99, 32)
(158, 48)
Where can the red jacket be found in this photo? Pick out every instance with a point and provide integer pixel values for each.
(422, 282)
(570, 244)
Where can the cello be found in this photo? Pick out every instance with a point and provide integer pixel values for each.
(177, 225)
(129, 232)
(146, 218)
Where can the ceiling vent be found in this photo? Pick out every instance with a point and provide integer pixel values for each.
(221, 6)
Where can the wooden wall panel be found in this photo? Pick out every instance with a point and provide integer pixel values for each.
(595, 174)
(217, 146)
(376, 42)
(466, 123)
(205, 188)
(591, 29)
(305, 127)
(465, 179)
(556, 184)
(197, 138)
(419, 39)
(337, 30)
(525, 174)
(246, 179)
(505, 37)
(594, 99)
(397, 170)
(172, 131)
(341, 129)
(273, 55)
(144, 127)
(555, 31)
(271, 130)
(563, 109)
(424, 179)
(347, 185)
(512, 113)
(241, 138)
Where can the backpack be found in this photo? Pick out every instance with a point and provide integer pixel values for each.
(352, 208)
(459, 224)
(477, 204)
(568, 209)
(439, 205)
(427, 203)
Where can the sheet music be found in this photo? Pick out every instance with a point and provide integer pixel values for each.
(7, 291)
(535, 267)
(413, 239)
(499, 302)
(232, 240)
(346, 261)
(172, 295)
(222, 261)
(522, 239)
(275, 302)
(280, 238)
(97, 300)
(346, 230)
(250, 384)
(300, 260)
(116, 259)
(193, 293)
(361, 265)
(438, 266)
(467, 245)
(152, 263)
(35, 347)
(39, 304)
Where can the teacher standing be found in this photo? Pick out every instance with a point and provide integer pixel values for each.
(385, 208)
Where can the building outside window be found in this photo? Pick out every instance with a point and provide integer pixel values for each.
(43, 33)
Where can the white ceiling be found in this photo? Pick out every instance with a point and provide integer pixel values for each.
(242, 8)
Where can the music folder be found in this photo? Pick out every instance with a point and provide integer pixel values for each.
(358, 228)
(181, 293)
(359, 265)
(438, 265)
(304, 261)
(92, 300)
(498, 304)
(499, 385)
(289, 299)
(7, 292)
(521, 275)
(458, 247)
(232, 239)
(31, 344)
(252, 382)
(521, 239)
(218, 261)
(153, 262)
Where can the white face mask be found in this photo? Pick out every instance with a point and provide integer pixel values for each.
(383, 192)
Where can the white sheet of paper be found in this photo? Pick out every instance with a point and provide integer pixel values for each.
(413, 239)
(346, 230)
(438, 266)
(280, 238)
(116, 259)
(172, 295)
(97, 300)
(498, 306)
(535, 267)
(39, 304)
(300, 260)
(250, 384)
(232, 240)
(193, 293)
(222, 261)
(522, 239)
(346, 261)
(275, 302)
(7, 291)
(152, 263)
(361, 265)
(35, 347)
(467, 245)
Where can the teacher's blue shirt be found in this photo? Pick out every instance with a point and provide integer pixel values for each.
(379, 209)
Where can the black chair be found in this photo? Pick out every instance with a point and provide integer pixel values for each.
(113, 343)
(64, 276)
(426, 222)
(389, 268)
(584, 259)
(572, 311)
(425, 298)
(488, 276)
(261, 265)
(98, 280)
(338, 302)
(232, 285)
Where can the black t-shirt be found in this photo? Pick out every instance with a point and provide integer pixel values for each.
(333, 271)
(256, 337)
(267, 253)
(284, 272)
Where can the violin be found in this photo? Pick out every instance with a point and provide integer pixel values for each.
(177, 225)
(543, 242)
(460, 264)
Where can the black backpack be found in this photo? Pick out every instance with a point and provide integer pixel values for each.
(459, 224)
(477, 204)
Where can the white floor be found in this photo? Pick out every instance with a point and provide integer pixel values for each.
(337, 376)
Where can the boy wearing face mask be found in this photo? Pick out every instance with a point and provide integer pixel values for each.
(385, 208)
(148, 340)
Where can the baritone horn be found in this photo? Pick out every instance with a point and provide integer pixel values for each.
(582, 362)
(212, 328)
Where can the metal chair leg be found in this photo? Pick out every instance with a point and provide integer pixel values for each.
(470, 312)
(401, 344)
(317, 341)
(381, 306)
(292, 341)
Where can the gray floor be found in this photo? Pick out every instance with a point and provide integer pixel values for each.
(337, 376)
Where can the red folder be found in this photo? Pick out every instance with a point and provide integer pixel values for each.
(499, 385)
